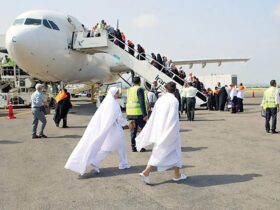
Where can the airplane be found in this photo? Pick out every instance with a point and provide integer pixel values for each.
(39, 41)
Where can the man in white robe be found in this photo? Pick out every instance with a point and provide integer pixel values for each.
(162, 130)
(103, 135)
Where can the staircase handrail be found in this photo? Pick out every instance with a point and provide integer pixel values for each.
(149, 60)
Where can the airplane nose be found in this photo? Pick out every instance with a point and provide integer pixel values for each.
(20, 44)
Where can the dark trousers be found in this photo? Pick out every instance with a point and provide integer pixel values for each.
(240, 104)
(131, 52)
(234, 105)
(184, 105)
(190, 108)
(58, 117)
(210, 102)
(64, 120)
(216, 102)
(270, 113)
(133, 132)
(222, 103)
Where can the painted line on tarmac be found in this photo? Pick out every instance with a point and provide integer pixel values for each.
(22, 113)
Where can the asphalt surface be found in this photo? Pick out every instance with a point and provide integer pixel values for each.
(230, 160)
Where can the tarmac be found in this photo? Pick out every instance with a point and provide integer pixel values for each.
(231, 163)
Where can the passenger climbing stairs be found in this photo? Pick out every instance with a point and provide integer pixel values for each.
(144, 68)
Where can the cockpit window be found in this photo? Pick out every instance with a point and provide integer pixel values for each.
(54, 26)
(19, 21)
(32, 21)
(46, 23)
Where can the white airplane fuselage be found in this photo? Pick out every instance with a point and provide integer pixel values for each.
(43, 50)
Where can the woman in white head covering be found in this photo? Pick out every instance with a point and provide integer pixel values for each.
(103, 135)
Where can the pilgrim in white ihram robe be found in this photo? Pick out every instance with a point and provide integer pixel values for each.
(103, 135)
(162, 130)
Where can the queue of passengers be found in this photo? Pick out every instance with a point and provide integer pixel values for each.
(160, 62)
(229, 97)
(220, 98)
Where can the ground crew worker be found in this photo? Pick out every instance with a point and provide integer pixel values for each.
(191, 93)
(270, 104)
(136, 110)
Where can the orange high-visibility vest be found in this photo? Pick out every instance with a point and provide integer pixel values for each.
(60, 96)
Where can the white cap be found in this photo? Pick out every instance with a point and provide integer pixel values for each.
(38, 86)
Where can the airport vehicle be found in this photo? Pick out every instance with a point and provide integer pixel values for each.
(15, 85)
(79, 90)
(224, 79)
(103, 89)
(53, 47)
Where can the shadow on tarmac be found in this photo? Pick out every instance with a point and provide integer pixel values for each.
(205, 120)
(192, 149)
(65, 137)
(185, 130)
(213, 180)
(248, 111)
(9, 142)
(114, 171)
(78, 126)
(209, 120)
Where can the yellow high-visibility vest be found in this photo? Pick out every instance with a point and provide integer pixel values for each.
(269, 98)
(133, 103)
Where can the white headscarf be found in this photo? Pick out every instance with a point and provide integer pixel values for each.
(95, 134)
(113, 91)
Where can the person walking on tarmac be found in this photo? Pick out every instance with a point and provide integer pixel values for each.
(136, 110)
(62, 109)
(37, 107)
(271, 103)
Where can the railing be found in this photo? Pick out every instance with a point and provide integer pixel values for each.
(163, 69)
(150, 59)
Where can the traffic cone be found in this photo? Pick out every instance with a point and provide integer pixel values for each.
(11, 112)
(253, 94)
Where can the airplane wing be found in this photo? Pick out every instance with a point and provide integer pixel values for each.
(190, 63)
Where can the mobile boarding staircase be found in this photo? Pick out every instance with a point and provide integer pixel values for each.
(144, 68)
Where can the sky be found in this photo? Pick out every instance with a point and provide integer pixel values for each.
(185, 30)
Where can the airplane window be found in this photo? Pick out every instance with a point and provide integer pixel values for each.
(46, 23)
(54, 26)
(19, 21)
(32, 21)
